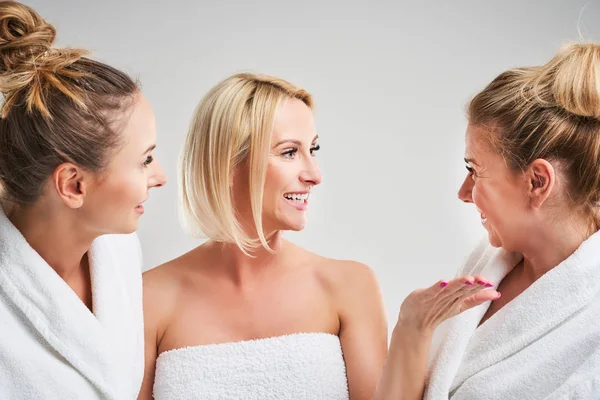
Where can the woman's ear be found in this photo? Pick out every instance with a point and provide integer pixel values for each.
(542, 178)
(70, 183)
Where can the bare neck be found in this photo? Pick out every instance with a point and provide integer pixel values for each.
(54, 236)
(552, 244)
(241, 268)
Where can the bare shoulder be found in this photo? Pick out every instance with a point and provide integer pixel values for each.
(348, 272)
(162, 287)
(343, 277)
(356, 295)
(345, 274)
(162, 281)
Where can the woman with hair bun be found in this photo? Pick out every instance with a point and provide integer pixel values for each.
(533, 162)
(76, 164)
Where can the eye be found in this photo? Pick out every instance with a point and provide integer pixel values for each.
(471, 171)
(148, 161)
(315, 148)
(290, 153)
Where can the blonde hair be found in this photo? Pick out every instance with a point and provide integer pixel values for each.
(232, 125)
(550, 112)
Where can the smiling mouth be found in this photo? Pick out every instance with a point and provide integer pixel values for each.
(297, 198)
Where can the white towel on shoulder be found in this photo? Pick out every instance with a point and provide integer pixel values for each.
(51, 345)
(544, 344)
(301, 366)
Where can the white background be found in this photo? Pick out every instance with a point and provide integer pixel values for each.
(390, 78)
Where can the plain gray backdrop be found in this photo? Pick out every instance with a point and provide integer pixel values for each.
(390, 78)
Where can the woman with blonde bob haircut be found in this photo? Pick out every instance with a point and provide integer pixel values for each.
(242, 135)
(249, 314)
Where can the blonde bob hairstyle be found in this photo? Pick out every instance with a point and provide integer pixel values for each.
(231, 126)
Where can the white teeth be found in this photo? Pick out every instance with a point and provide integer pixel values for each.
(296, 198)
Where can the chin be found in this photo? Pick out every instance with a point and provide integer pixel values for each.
(127, 229)
(295, 226)
(495, 240)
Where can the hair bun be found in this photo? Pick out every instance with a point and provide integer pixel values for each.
(29, 65)
(24, 36)
(573, 79)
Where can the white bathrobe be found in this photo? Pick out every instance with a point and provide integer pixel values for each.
(51, 345)
(544, 344)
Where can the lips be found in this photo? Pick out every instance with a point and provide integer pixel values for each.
(140, 207)
(142, 203)
(298, 200)
(297, 197)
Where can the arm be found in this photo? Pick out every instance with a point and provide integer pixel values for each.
(404, 374)
(363, 329)
(154, 311)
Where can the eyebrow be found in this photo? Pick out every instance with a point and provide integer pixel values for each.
(470, 161)
(150, 149)
(294, 141)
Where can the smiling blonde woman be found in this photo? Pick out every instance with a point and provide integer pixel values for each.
(249, 314)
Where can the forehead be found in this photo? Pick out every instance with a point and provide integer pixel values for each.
(139, 129)
(477, 143)
(293, 120)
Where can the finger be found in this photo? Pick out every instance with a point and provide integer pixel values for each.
(452, 303)
(480, 298)
(458, 287)
(435, 289)
(477, 292)
(465, 289)
(483, 281)
(479, 283)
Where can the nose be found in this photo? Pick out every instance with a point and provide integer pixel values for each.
(466, 190)
(311, 174)
(158, 177)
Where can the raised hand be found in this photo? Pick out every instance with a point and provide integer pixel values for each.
(403, 376)
(425, 309)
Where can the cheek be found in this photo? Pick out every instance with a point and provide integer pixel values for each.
(271, 187)
(278, 179)
(478, 194)
(501, 203)
(127, 189)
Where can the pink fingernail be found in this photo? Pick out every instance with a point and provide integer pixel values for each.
(489, 285)
(468, 283)
(444, 284)
(481, 282)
